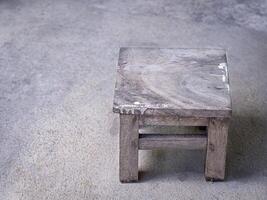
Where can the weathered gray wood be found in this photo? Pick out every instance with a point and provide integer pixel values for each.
(128, 148)
(157, 141)
(216, 149)
(172, 121)
(172, 87)
(183, 82)
(182, 130)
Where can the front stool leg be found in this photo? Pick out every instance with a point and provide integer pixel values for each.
(129, 136)
(216, 149)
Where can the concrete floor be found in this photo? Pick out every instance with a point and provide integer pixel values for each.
(58, 135)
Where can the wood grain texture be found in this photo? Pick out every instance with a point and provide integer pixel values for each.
(216, 149)
(128, 148)
(172, 121)
(181, 130)
(183, 82)
(166, 141)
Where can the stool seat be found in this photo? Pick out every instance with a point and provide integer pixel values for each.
(172, 87)
(183, 82)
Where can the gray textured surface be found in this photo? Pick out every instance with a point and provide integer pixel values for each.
(183, 82)
(58, 135)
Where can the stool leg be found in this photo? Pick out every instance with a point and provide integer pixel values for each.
(216, 149)
(129, 136)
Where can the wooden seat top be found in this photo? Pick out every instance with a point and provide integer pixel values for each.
(181, 82)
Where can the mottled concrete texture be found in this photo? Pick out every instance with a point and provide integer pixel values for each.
(58, 135)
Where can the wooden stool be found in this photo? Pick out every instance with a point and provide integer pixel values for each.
(172, 87)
